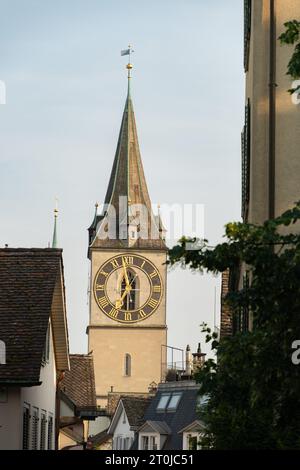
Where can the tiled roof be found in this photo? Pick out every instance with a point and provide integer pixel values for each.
(135, 408)
(27, 282)
(79, 382)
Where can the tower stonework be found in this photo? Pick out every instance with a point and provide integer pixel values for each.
(127, 328)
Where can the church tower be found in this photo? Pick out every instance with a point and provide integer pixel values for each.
(127, 326)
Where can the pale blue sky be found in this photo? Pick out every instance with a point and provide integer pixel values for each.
(66, 87)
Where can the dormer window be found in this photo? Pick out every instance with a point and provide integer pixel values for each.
(2, 352)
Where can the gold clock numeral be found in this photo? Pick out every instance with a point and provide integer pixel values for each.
(102, 302)
(142, 314)
(143, 264)
(128, 260)
(115, 263)
(152, 303)
(152, 275)
(114, 313)
(128, 316)
(99, 287)
(104, 273)
(157, 289)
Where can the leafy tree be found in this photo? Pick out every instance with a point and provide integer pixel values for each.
(290, 36)
(253, 387)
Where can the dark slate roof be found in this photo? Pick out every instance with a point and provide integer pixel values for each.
(135, 408)
(27, 282)
(79, 382)
(184, 415)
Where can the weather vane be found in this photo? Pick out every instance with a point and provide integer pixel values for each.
(128, 52)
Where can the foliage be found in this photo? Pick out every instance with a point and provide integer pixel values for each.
(291, 36)
(254, 388)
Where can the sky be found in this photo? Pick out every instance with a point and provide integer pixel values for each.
(65, 92)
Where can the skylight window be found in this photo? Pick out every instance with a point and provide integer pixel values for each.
(174, 401)
(163, 402)
(169, 402)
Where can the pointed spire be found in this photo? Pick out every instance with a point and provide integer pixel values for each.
(127, 186)
(54, 239)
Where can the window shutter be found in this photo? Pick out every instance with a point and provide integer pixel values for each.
(247, 31)
(50, 432)
(26, 426)
(246, 163)
(43, 431)
(34, 433)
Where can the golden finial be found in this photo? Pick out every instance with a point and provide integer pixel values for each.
(56, 208)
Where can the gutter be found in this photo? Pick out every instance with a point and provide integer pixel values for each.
(272, 111)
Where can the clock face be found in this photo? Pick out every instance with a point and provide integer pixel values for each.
(128, 288)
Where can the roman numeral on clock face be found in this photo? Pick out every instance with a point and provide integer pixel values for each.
(157, 289)
(153, 274)
(102, 301)
(115, 263)
(99, 287)
(114, 313)
(128, 316)
(152, 303)
(128, 260)
(142, 314)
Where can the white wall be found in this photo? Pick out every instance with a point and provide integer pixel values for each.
(122, 430)
(42, 397)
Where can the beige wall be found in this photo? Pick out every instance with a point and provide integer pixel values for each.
(287, 114)
(110, 340)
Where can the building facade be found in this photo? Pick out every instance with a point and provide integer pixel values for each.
(33, 346)
(127, 326)
(271, 132)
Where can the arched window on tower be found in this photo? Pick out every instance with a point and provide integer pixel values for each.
(2, 352)
(127, 365)
(130, 300)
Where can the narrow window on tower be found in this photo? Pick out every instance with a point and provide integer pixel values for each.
(131, 299)
(127, 365)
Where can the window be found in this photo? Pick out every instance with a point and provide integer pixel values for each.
(246, 163)
(163, 402)
(174, 401)
(2, 352)
(127, 367)
(50, 432)
(124, 418)
(26, 426)
(247, 31)
(130, 299)
(192, 442)
(46, 352)
(43, 431)
(34, 428)
(149, 442)
(145, 442)
(169, 402)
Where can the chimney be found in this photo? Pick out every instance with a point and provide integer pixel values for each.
(188, 361)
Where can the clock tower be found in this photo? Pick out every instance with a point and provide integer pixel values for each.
(127, 328)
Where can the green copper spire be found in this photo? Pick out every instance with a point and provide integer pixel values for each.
(54, 239)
